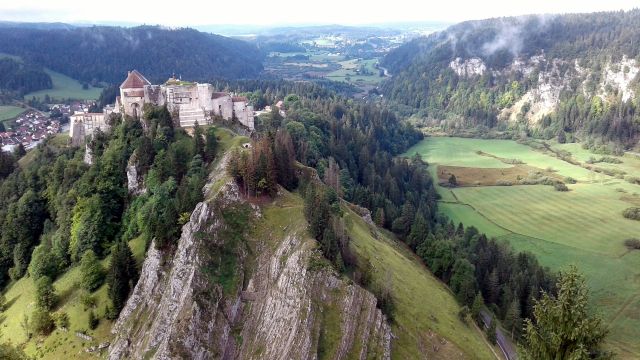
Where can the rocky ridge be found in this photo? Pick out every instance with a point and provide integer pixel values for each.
(278, 308)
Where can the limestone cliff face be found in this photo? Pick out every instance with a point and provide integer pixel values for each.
(279, 308)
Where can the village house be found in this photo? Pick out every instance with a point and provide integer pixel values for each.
(29, 129)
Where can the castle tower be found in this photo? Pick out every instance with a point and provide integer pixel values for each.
(132, 93)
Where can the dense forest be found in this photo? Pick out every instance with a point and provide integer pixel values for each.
(598, 42)
(20, 78)
(104, 54)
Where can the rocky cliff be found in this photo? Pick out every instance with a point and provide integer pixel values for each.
(238, 291)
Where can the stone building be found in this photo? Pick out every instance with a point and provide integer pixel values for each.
(132, 93)
(83, 124)
(193, 102)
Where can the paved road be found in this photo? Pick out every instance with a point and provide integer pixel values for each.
(503, 340)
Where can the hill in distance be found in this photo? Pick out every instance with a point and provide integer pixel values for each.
(105, 53)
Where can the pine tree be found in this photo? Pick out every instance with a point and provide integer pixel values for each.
(476, 307)
(512, 319)
(210, 144)
(198, 141)
(45, 293)
(494, 287)
(92, 271)
(419, 231)
(491, 331)
(563, 327)
(122, 274)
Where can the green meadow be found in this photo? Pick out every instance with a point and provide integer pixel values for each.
(583, 226)
(60, 344)
(8, 112)
(65, 87)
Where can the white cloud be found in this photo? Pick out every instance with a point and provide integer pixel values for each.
(260, 12)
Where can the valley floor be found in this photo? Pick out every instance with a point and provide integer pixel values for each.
(583, 226)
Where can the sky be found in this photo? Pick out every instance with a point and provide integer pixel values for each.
(286, 12)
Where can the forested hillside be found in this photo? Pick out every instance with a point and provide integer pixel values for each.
(17, 77)
(102, 53)
(552, 75)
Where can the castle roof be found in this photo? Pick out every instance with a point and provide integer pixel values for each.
(217, 95)
(239, 99)
(134, 80)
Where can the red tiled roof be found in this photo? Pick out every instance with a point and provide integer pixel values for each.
(134, 80)
(239, 99)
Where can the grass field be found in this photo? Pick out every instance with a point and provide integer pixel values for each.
(60, 344)
(65, 87)
(426, 311)
(348, 68)
(583, 226)
(8, 112)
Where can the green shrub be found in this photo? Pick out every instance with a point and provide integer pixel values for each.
(632, 244)
(632, 213)
(560, 187)
(93, 320)
(504, 183)
(41, 322)
(61, 319)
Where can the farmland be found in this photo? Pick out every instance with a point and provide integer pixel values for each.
(583, 226)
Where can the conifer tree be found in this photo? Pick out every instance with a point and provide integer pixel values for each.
(91, 270)
(563, 328)
(45, 293)
(122, 274)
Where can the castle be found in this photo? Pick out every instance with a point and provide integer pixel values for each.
(193, 102)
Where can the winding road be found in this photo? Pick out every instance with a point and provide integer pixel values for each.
(504, 342)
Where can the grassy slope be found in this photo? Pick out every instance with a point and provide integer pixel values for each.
(8, 112)
(59, 344)
(65, 87)
(423, 304)
(583, 226)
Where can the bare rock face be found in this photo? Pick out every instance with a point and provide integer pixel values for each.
(134, 181)
(281, 308)
(88, 155)
(289, 307)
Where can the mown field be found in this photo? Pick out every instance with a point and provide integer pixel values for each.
(583, 226)
(347, 72)
(65, 87)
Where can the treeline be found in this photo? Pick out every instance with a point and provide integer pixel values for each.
(482, 271)
(595, 40)
(21, 78)
(105, 54)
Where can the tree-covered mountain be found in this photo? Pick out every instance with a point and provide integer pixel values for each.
(21, 78)
(103, 53)
(543, 75)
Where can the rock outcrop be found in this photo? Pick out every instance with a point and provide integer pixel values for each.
(134, 180)
(278, 306)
